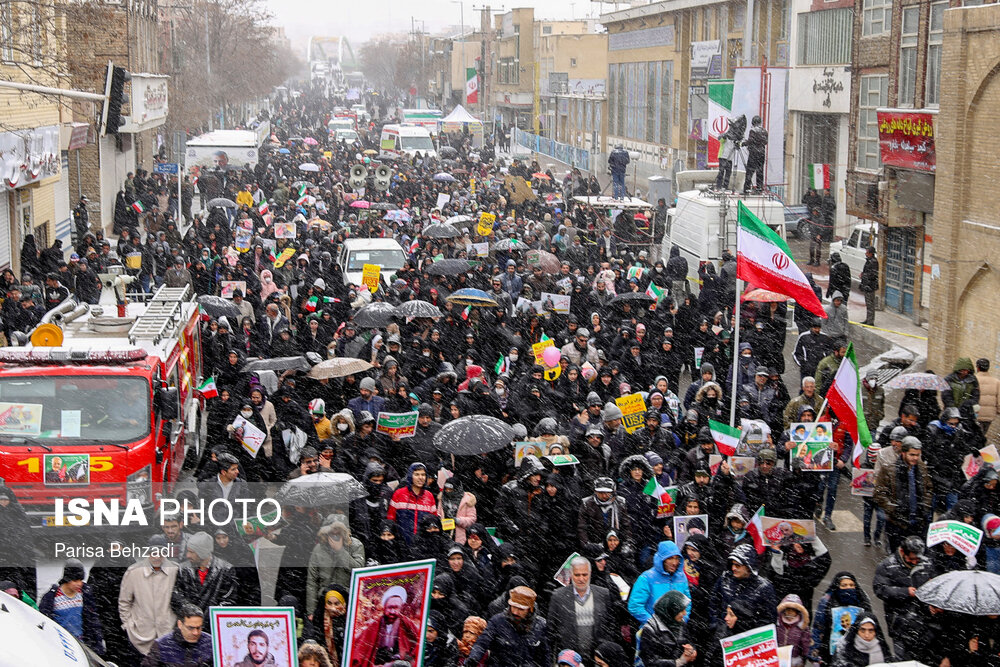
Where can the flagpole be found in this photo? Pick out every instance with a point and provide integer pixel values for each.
(736, 349)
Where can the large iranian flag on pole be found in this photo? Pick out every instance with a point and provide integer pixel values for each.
(844, 396)
(763, 259)
(720, 107)
(471, 86)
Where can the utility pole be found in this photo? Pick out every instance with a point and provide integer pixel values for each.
(208, 71)
(486, 60)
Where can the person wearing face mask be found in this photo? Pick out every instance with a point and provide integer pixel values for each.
(844, 591)
(342, 425)
(792, 627)
(317, 410)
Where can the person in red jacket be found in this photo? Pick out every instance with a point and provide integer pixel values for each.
(411, 502)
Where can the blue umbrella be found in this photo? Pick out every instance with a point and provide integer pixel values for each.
(284, 151)
(471, 297)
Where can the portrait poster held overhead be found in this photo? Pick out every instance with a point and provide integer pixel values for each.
(693, 524)
(782, 532)
(387, 615)
(251, 636)
(249, 435)
(813, 444)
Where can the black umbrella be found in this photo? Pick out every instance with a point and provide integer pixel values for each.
(277, 364)
(633, 297)
(222, 202)
(473, 434)
(417, 308)
(216, 306)
(383, 206)
(448, 267)
(441, 231)
(375, 315)
(319, 489)
(447, 151)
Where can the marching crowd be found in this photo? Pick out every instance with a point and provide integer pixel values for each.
(499, 529)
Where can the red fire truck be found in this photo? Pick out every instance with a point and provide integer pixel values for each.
(101, 401)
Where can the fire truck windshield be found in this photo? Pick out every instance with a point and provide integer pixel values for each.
(74, 408)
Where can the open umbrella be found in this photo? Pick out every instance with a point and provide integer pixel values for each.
(308, 166)
(309, 141)
(360, 203)
(633, 297)
(375, 315)
(762, 295)
(221, 202)
(284, 151)
(447, 151)
(216, 306)
(460, 220)
(546, 260)
(449, 163)
(922, 381)
(383, 206)
(444, 177)
(277, 364)
(369, 152)
(294, 138)
(338, 367)
(448, 267)
(473, 434)
(441, 231)
(540, 176)
(469, 296)
(510, 244)
(417, 308)
(319, 489)
(298, 184)
(964, 591)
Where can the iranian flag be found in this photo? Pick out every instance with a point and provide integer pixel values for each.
(263, 208)
(502, 366)
(819, 176)
(471, 86)
(763, 259)
(414, 246)
(844, 396)
(720, 108)
(138, 207)
(208, 388)
(726, 437)
(656, 292)
(466, 312)
(756, 530)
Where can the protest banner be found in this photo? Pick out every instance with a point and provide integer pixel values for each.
(370, 275)
(782, 532)
(633, 409)
(397, 424)
(253, 636)
(478, 249)
(863, 482)
(741, 465)
(973, 464)
(522, 449)
(242, 239)
(486, 222)
(694, 524)
(227, 287)
(249, 435)
(753, 648)
(843, 619)
(557, 303)
(404, 591)
(699, 352)
(442, 199)
(285, 255)
(538, 348)
(958, 534)
(814, 440)
(284, 230)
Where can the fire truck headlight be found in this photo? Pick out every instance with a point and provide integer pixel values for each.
(139, 486)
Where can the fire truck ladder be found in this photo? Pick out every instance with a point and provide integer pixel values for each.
(162, 316)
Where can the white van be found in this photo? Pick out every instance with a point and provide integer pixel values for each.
(386, 253)
(339, 123)
(695, 226)
(407, 140)
(31, 638)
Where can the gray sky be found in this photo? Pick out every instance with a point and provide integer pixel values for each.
(360, 20)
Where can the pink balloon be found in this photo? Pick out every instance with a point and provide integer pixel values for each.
(551, 357)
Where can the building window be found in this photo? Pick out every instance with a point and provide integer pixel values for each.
(785, 17)
(666, 77)
(908, 56)
(935, 32)
(652, 79)
(877, 17)
(546, 30)
(572, 62)
(612, 98)
(825, 37)
(873, 93)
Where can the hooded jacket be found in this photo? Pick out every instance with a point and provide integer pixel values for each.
(654, 582)
(796, 635)
(822, 626)
(662, 638)
(407, 508)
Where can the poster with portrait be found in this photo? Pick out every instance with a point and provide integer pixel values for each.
(252, 636)
(66, 469)
(741, 465)
(863, 482)
(843, 619)
(227, 287)
(20, 418)
(689, 525)
(813, 444)
(782, 532)
(388, 601)
(285, 230)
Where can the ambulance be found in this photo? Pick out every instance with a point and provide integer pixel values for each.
(100, 402)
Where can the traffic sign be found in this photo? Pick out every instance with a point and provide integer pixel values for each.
(166, 168)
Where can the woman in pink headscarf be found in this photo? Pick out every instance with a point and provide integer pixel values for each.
(267, 284)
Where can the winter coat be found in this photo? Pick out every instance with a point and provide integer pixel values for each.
(849, 656)
(989, 397)
(144, 603)
(796, 635)
(593, 524)
(798, 574)
(891, 489)
(220, 587)
(754, 591)
(406, 508)
(93, 632)
(655, 582)
(662, 643)
(465, 517)
(810, 348)
(172, 651)
(507, 646)
(945, 449)
(893, 578)
(332, 568)
(961, 390)
(823, 621)
(561, 619)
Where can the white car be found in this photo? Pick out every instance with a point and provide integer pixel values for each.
(350, 136)
(385, 253)
(852, 249)
(30, 638)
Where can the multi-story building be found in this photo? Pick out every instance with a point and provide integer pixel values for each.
(895, 81)
(572, 79)
(962, 264)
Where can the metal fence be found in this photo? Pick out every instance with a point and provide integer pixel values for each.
(571, 155)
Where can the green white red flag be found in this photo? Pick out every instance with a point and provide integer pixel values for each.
(844, 397)
(208, 388)
(764, 259)
(756, 530)
(138, 207)
(726, 437)
(819, 176)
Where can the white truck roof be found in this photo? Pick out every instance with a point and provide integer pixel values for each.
(246, 138)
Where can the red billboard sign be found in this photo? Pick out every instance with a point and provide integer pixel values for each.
(906, 139)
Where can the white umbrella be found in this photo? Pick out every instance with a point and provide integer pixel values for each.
(308, 166)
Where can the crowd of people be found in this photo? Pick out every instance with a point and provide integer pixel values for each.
(499, 530)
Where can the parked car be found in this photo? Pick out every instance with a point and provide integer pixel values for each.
(797, 221)
(852, 249)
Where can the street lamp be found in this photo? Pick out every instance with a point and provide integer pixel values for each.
(461, 68)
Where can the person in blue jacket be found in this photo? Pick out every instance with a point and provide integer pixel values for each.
(667, 574)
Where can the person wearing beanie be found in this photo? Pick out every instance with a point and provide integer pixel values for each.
(71, 604)
(368, 401)
(515, 636)
(663, 639)
(203, 579)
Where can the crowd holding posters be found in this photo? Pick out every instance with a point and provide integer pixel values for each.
(753, 648)
(958, 534)
(229, 286)
(633, 409)
(252, 636)
(522, 449)
(397, 424)
(557, 303)
(249, 435)
(814, 442)
(387, 617)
